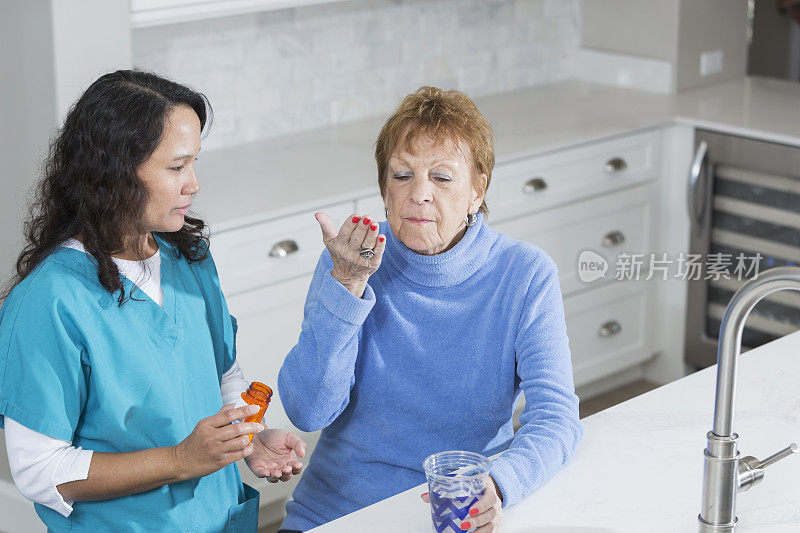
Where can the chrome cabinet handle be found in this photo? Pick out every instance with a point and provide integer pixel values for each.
(283, 248)
(609, 329)
(695, 216)
(534, 185)
(615, 165)
(613, 238)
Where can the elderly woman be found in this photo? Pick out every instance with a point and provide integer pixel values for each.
(420, 333)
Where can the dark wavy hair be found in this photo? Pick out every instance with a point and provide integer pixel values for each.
(89, 186)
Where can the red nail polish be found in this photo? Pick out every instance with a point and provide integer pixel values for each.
(373, 227)
(424, 493)
(367, 221)
(382, 238)
(356, 219)
(466, 525)
(474, 511)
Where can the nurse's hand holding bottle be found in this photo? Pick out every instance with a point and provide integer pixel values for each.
(216, 442)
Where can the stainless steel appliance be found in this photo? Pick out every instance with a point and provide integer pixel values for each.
(744, 198)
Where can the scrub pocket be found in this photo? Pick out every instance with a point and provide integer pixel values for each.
(243, 518)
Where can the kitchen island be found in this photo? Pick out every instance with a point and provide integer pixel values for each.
(639, 467)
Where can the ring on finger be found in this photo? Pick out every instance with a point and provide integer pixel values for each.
(367, 253)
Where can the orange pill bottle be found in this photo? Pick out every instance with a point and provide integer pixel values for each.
(256, 394)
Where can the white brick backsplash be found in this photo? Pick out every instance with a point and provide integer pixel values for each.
(283, 71)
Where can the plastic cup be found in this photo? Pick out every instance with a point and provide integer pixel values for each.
(456, 481)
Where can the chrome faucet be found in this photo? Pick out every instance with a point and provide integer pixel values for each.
(724, 473)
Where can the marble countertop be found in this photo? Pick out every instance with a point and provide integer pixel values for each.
(640, 465)
(265, 179)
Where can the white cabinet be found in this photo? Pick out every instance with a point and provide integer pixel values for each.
(608, 329)
(156, 12)
(269, 324)
(607, 320)
(608, 225)
(586, 206)
(542, 182)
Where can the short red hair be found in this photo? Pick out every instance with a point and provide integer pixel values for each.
(444, 115)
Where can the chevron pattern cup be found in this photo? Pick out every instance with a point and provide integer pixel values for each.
(456, 481)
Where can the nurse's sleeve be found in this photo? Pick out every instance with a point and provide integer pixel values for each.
(233, 384)
(550, 426)
(319, 371)
(39, 464)
(43, 370)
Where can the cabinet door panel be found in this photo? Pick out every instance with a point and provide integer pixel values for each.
(608, 225)
(544, 181)
(607, 329)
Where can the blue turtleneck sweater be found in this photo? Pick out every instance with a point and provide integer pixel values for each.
(431, 358)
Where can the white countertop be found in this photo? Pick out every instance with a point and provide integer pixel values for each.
(640, 465)
(265, 179)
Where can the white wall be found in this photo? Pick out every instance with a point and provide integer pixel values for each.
(641, 39)
(50, 50)
(90, 38)
(647, 28)
(279, 72)
(707, 25)
(27, 113)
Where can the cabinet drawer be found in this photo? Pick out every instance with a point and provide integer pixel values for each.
(544, 181)
(609, 225)
(266, 253)
(607, 329)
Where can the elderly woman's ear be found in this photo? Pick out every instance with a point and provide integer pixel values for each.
(483, 181)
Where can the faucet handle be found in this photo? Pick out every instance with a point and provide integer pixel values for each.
(786, 452)
(751, 470)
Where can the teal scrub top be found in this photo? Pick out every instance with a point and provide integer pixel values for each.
(76, 366)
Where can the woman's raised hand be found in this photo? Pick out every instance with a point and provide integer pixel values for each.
(358, 234)
(215, 442)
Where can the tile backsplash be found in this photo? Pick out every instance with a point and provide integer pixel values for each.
(289, 70)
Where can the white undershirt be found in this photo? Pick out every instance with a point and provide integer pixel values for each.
(144, 274)
(39, 463)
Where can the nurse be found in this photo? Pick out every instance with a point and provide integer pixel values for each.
(117, 352)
